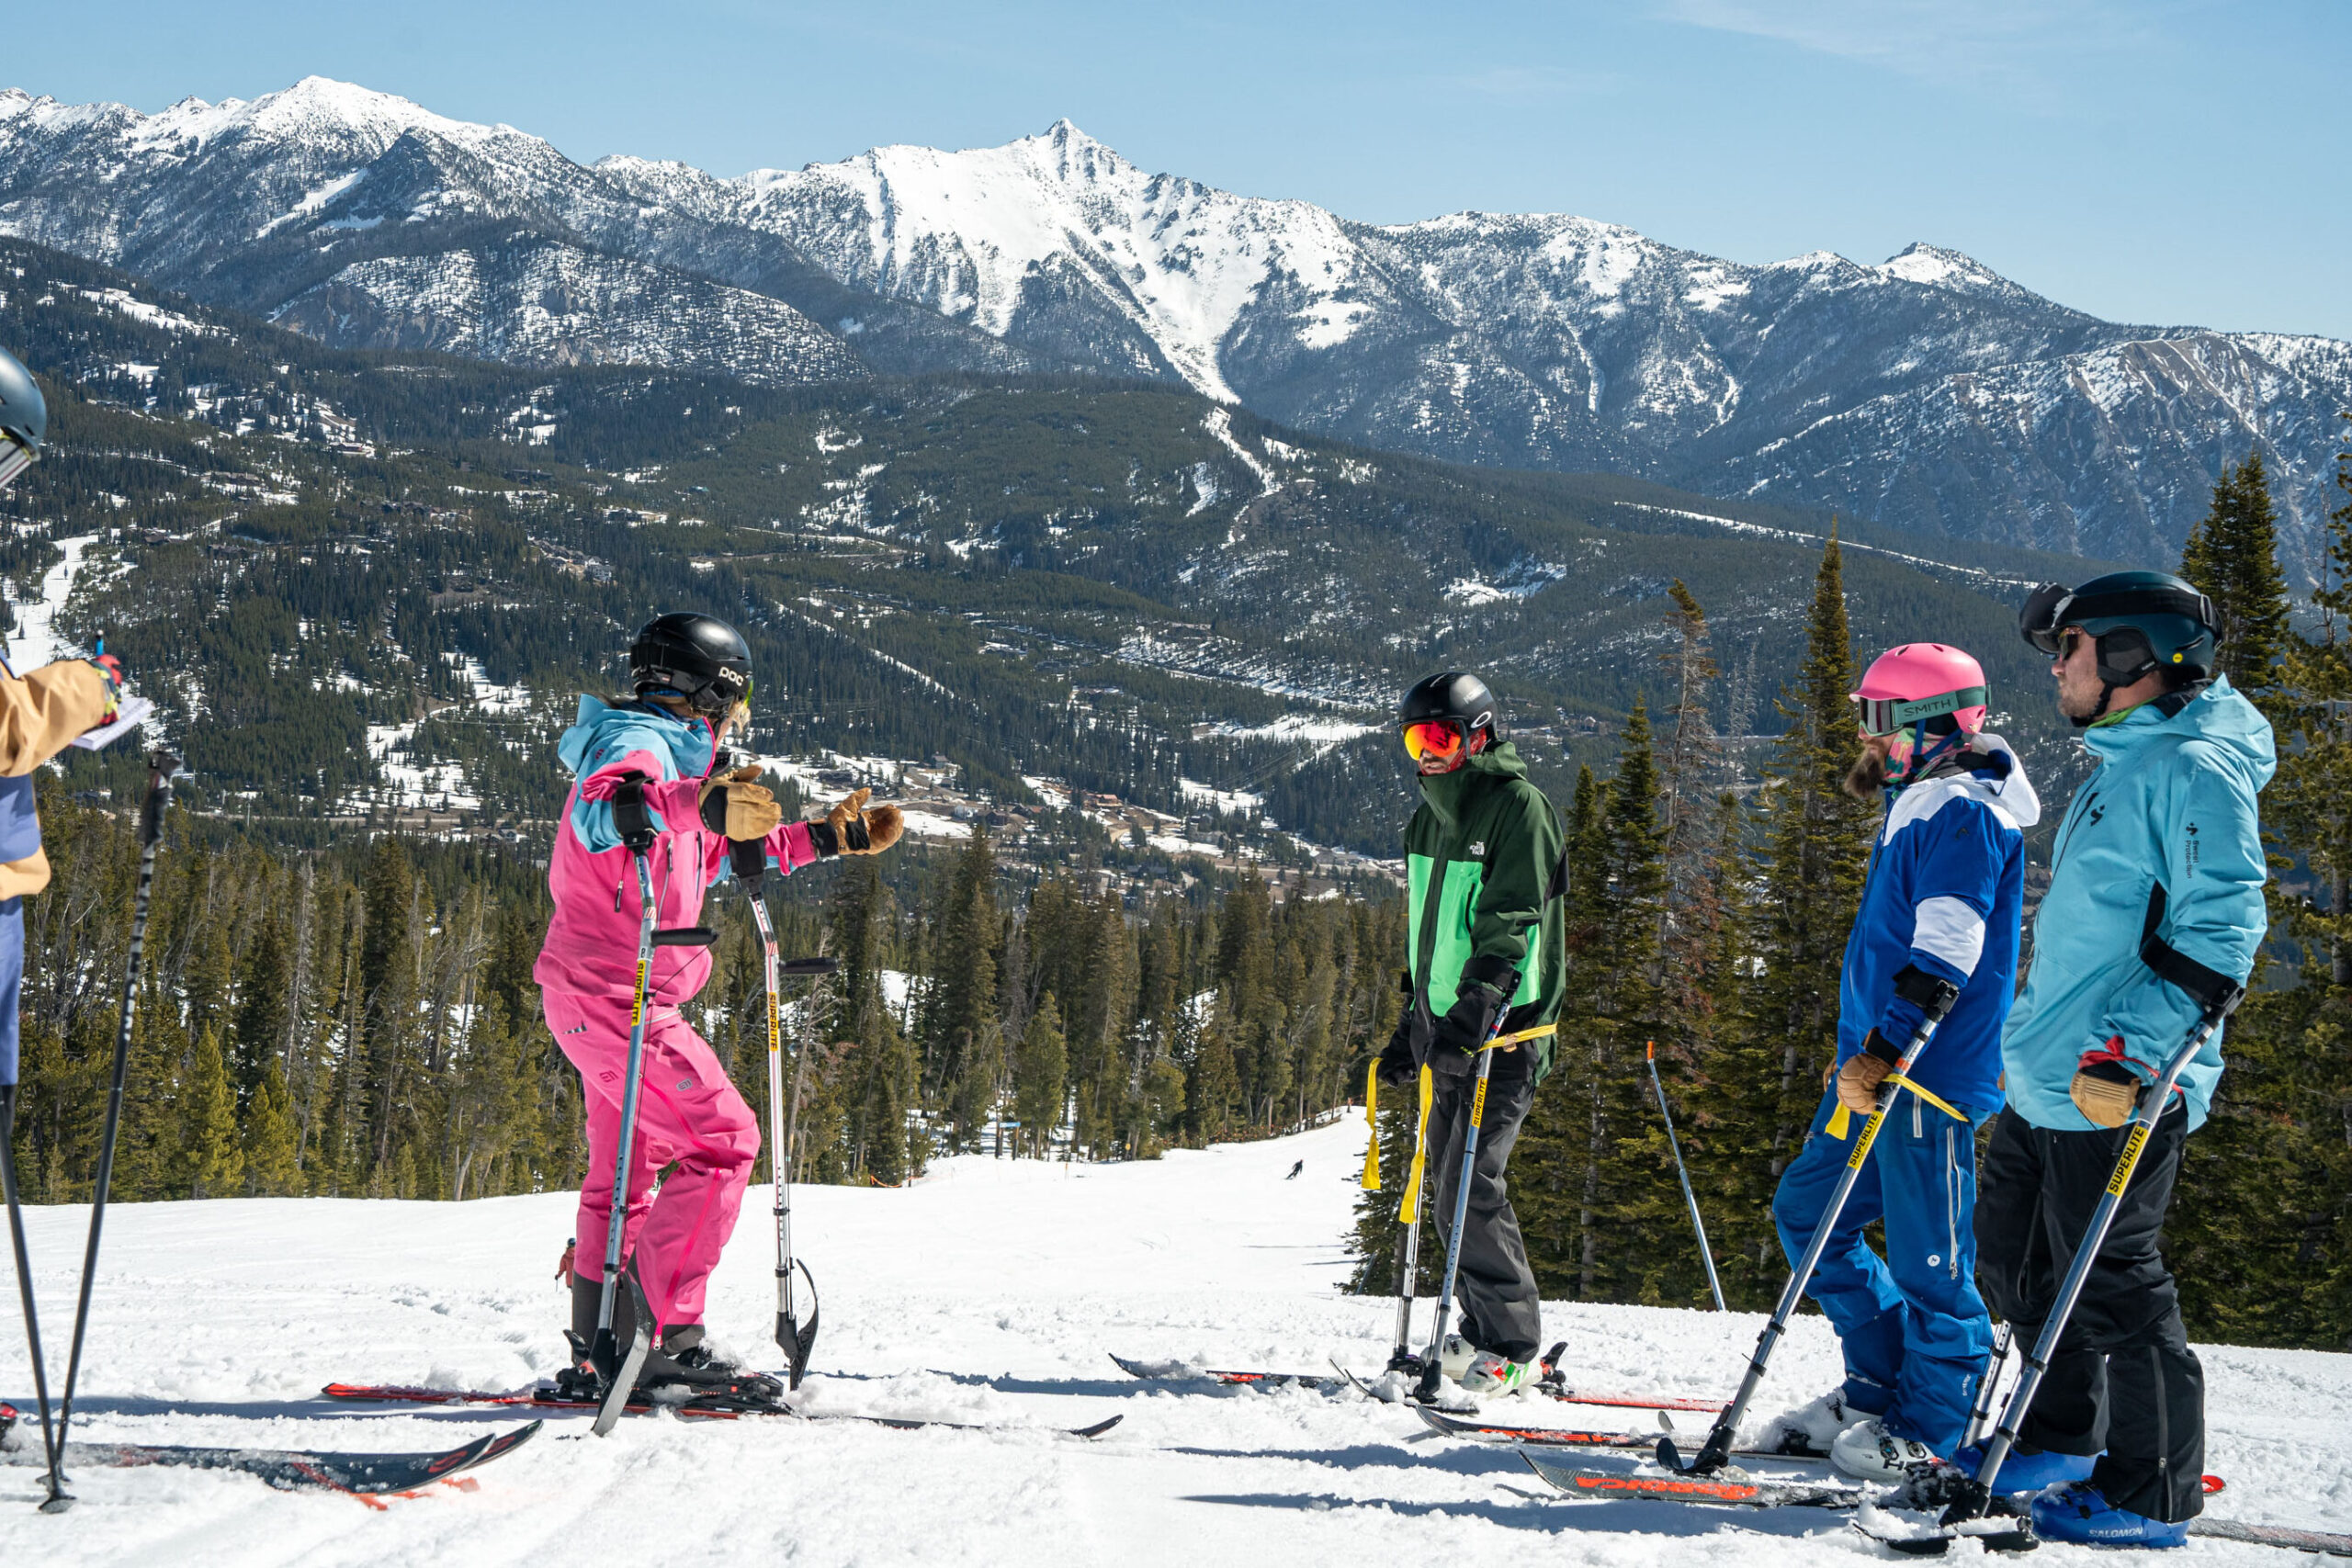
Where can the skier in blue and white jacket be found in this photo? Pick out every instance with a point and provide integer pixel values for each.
(1942, 903)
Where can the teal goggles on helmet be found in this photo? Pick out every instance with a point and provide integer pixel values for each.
(1885, 716)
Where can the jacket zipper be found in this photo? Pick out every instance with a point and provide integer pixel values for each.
(2081, 808)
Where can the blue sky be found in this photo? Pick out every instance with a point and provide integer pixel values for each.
(2157, 161)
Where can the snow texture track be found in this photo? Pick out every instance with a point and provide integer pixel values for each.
(987, 1293)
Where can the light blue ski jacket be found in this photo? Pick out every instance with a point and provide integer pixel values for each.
(2169, 822)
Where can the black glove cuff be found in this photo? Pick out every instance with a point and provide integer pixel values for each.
(854, 835)
(714, 809)
(1879, 1046)
(2111, 1072)
(823, 840)
(1931, 994)
(1405, 981)
(1496, 973)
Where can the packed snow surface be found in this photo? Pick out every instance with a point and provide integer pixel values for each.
(989, 1292)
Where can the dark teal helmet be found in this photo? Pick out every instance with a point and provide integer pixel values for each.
(24, 418)
(2142, 622)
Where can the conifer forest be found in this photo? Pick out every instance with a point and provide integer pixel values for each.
(338, 997)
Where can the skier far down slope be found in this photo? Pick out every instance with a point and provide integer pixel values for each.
(1940, 903)
(658, 752)
(1481, 851)
(2155, 908)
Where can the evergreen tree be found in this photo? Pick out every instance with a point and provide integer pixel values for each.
(1809, 879)
(2232, 557)
(214, 1157)
(265, 1001)
(962, 1035)
(1038, 1087)
(270, 1165)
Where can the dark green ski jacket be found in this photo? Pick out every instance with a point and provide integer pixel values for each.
(1480, 856)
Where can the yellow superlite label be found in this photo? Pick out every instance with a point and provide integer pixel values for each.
(2131, 1147)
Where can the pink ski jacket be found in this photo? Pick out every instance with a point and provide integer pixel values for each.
(591, 949)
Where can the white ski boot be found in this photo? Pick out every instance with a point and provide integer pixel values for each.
(1490, 1376)
(1809, 1429)
(1454, 1356)
(1868, 1451)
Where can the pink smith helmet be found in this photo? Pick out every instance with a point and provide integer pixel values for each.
(1920, 681)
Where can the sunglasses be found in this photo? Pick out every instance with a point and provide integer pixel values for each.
(1432, 738)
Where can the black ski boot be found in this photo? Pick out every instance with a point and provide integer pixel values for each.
(680, 1368)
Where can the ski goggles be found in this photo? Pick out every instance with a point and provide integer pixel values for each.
(14, 459)
(1434, 738)
(1885, 716)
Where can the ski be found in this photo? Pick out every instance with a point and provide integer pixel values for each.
(1718, 1489)
(1551, 1383)
(368, 1476)
(1571, 1437)
(1176, 1372)
(2273, 1535)
(543, 1396)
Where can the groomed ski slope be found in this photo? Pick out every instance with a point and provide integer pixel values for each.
(990, 1291)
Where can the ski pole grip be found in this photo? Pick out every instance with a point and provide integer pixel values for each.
(685, 936)
(809, 966)
(160, 766)
(1931, 994)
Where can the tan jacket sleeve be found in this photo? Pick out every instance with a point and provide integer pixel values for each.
(42, 711)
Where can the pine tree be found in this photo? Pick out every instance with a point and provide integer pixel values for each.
(387, 990)
(1039, 1088)
(962, 1035)
(2232, 557)
(1557, 1183)
(271, 1168)
(1809, 878)
(214, 1158)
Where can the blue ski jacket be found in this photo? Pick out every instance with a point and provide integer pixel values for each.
(2165, 836)
(1945, 891)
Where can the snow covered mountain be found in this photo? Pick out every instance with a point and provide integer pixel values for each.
(1927, 390)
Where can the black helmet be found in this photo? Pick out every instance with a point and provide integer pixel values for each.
(24, 418)
(1455, 698)
(2140, 620)
(699, 658)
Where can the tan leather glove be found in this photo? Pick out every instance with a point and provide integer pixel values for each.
(2105, 1093)
(850, 830)
(733, 805)
(1857, 1083)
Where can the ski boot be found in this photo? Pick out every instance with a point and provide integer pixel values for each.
(1490, 1376)
(2028, 1469)
(1810, 1430)
(684, 1364)
(2079, 1512)
(1868, 1451)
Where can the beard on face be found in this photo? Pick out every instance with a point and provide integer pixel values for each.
(1867, 776)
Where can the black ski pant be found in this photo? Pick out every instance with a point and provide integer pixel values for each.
(1497, 1289)
(2124, 1377)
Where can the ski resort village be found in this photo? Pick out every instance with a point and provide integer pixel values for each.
(1050, 785)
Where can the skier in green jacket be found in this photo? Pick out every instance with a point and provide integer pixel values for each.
(1483, 937)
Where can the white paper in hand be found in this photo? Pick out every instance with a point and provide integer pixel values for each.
(126, 715)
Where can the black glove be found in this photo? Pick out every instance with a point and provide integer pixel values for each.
(1461, 1033)
(1397, 1067)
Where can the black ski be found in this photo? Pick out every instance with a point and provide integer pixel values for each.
(545, 1397)
(1171, 1372)
(364, 1475)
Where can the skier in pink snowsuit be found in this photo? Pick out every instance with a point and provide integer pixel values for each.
(692, 676)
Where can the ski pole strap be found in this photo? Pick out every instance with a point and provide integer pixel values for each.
(1371, 1120)
(1410, 1210)
(1842, 1120)
(1505, 1042)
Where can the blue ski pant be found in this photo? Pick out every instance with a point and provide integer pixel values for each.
(1914, 1332)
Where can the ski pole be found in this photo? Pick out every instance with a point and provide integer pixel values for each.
(160, 766)
(50, 1448)
(1983, 1407)
(618, 1368)
(1682, 1170)
(1934, 997)
(1977, 1495)
(1434, 1365)
(1408, 1245)
(748, 857)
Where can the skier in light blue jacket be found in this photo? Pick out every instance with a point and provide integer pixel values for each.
(2159, 861)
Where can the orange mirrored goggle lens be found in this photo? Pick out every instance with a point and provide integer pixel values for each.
(1438, 740)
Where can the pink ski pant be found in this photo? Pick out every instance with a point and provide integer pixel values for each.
(688, 1117)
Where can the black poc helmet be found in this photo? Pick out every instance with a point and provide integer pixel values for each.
(1454, 698)
(24, 418)
(2140, 620)
(699, 658)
